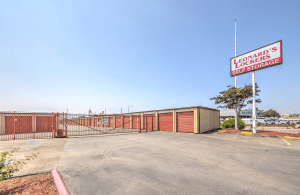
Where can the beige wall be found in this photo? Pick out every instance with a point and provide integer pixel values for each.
(209, 120)
(2, 124)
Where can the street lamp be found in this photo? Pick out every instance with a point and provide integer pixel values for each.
(128, 108)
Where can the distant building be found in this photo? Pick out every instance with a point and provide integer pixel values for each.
(243, 114)
(289, 115)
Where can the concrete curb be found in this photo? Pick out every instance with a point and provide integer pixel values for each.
(260, 135)
(288, 137)
(61, 188)
(29, 174)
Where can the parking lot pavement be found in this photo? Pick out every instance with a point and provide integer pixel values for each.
(179, 163)
(49, 150)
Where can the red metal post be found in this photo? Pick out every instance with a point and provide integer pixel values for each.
(63, 121)
(14, 125)
(67, 126)
(52, 126)
(34, 125)
(57, 124)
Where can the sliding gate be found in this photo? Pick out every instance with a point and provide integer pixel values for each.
(82, 124)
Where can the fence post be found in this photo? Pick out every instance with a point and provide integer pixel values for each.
(63, 123)
(57, 124)
(34, 125)
(52, 127)
(67, 125)
(14, 125)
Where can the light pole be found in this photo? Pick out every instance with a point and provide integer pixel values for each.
(128, 108)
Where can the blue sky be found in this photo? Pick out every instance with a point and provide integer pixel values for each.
(57, 55)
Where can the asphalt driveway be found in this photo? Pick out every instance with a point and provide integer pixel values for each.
(179, 163)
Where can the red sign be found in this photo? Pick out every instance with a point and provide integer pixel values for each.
(260, 58)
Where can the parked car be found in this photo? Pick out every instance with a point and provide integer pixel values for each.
(261, 122)
(277, 122)
(270, 122)
(283, 121)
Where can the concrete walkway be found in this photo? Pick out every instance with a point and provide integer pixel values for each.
(49, 150)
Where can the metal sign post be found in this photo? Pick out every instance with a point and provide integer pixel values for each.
(235, 79)
(254, 106)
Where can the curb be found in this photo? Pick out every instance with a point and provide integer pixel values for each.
(60, 186)
(246, 133)
(29, 174)
(221, 130)
(288, 137)
(263, 135)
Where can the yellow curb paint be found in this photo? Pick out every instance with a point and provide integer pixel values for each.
(288, 137)
(246, 133)
(222, 131)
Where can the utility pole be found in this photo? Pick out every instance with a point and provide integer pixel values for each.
(121, 110)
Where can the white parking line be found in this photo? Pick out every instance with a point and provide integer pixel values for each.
(285, 141)
(235, 136)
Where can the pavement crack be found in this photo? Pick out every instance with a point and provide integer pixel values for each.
(101, 157)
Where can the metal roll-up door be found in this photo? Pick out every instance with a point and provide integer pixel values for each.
(185, 122)
(44, 123)
(126, 121)
(165, 122)
(136, 122)
(149, 122)
(118, 122)
(111, 122)
(23, 124)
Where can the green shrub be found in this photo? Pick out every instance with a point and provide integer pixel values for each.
(9, 165)
(230, 124)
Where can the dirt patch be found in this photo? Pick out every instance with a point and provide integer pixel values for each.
(271, 133)
(32, 184)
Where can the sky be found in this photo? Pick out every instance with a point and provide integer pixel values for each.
(57, 55)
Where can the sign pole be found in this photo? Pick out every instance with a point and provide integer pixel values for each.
(235, 51)
(235, 78)
(254, 106)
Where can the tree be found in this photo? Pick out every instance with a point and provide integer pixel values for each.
(234, 98)
(270, 113)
